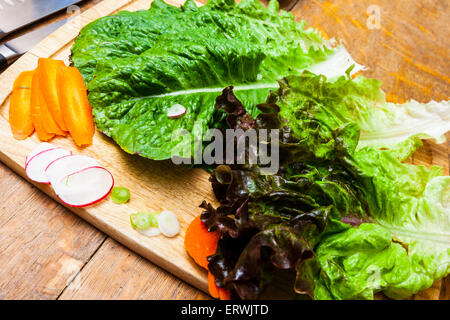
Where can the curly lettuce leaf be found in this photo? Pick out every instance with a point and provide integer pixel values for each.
(411, 204)
(369, 222)
(391, 124)
(137, 65)
(274, 221)
(360, 261)
(383, 125)
(399, 255)
(408, 202)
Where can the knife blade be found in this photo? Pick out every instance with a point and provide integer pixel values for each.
(16, 14)
(13, 49)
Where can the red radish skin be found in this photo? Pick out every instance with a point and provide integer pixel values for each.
(56, 160)
(38, 154)
(176, 115)
(70, 155)
(28, 160)
(42, 152)
(43, 146)
(43, 180)
(93, 202)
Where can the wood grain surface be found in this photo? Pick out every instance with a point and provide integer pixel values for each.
(46, 252)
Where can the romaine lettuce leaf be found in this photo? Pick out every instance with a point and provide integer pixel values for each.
(139, 64)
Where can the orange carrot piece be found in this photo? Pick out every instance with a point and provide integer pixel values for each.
(48, 70)
(20, 106)
(199, 242)
(24, 80)
(212, 287)
(224, 294)
(48, 122)
(215, 291)
(20, 114)
(36, 117)
(75, 107)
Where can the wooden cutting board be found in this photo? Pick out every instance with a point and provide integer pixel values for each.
(154, 185)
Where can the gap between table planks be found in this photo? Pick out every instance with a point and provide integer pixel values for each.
(58, 46)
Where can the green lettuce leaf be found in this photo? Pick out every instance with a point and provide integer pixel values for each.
(409, 201)
(411, 204)
(369, 222)
(363, 260)
(409, 246)
(383, 125)
(139, 64)
(274, 221)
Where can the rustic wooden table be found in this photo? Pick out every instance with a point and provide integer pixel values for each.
(59, 256)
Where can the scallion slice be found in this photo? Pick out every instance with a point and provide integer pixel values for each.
(120, 195)
(143, 220)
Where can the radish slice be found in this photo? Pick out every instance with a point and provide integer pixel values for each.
(85, 187)
(67, 165)
(168, 224)
(150, 232)
(44, 146)
(176, 110)
(35, 168)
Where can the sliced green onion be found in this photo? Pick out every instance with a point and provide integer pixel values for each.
(149, 232)
(143, 220)
(120, 195)
(168, 224)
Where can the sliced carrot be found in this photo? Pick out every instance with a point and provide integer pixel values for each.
(20, 114)
(48, 70)
(36, 117)
(215, 291)
(224, 294)
(24, 80)
(212, 286)
(75, 107)
(199, 242)
(20, 106)
(48, 122)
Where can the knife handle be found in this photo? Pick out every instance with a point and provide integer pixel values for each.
(7, 56)
(3, 62)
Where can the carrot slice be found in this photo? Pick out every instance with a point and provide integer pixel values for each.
(36, 117)
(215, 291)
(48, 122)
(199, 242)
(75, 107)
(20, 106)
(212, 287)
(24, 80)
(224, 294)
(48, 70)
